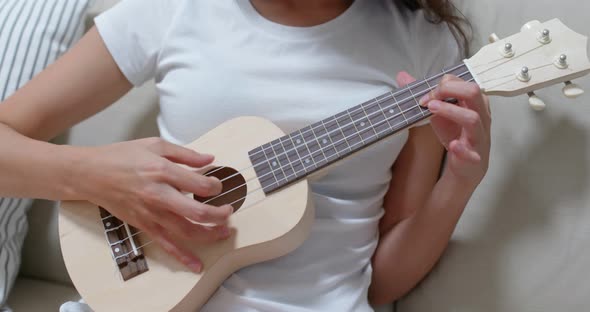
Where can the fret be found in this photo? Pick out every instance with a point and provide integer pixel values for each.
(276, 163)
(362, 125)
(256, 155)
(372, 126)
(435, 80)
(273, 164)
(350, 133)
(284, 163)
(337, 135)
(399, 106)
(262, 169)
(325, 139)
(425, 110)
(408, 106)
(395, 117)
(379, 118)
(416, 100)
(292, 156)
(330, 134)
(317, 152)
(314, 147)
(460, 71)
(304, 151)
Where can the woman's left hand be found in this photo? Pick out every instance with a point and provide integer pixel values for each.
(462, 128)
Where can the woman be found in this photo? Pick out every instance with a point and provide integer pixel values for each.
(383, 217)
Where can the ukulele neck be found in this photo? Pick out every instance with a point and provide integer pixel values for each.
(303, 152)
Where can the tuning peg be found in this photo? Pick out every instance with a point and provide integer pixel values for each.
(493, 38)
(530, 25)
(536, 102)
(572, 90)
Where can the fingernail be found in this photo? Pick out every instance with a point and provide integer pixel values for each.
(195, 266)
(424, 100)
(207, 156)
(230, 209)
(225, 232)
(434, 106)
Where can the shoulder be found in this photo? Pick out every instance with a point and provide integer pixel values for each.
(431, 46)
(156, 13)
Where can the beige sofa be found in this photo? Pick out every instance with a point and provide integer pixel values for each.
(523, 243)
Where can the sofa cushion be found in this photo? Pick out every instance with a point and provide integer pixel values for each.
(523, 243)
(33, 34)
(31, 295)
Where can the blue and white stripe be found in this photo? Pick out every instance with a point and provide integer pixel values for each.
(33, 34)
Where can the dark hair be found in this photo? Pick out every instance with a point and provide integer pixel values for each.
(443, 11)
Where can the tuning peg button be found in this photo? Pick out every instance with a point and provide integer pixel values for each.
(493, 38)
(536, 102)
(572, 90)
(531, 25)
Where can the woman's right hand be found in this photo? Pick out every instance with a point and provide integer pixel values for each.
(141, 183)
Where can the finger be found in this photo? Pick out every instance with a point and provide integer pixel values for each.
(180, 155)
(184, 229)
(403, 79)
(446, 130)
(466, 118)
(183, 255)
(189, 208)
(463, 152)
(432, 94)
(192, 182)
(468, 92)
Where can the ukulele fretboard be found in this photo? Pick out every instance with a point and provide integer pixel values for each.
(307, 150)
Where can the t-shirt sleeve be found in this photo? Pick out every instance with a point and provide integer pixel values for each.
(134, 32)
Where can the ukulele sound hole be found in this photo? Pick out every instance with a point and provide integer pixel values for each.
(234, 188)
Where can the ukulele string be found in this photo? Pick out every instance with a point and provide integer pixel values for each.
(333, 144)
(389, 97)
(252, 191)
(312, 154)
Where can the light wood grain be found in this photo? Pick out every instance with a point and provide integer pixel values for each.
(266, 228)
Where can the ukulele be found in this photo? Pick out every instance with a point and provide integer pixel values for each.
(264, 173)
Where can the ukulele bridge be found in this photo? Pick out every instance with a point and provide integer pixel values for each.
(124, 244)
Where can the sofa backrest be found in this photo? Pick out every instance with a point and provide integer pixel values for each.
(522, 243)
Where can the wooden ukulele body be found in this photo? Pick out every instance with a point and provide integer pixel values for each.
(266, 227)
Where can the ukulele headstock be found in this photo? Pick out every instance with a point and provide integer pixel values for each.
(540, 55)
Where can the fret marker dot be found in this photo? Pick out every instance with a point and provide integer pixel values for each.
(108, 224)
(274, 163)
(298, 141)
(325, 141)
(362, 124)
(391, 111)
(307, 161)
(117, 249)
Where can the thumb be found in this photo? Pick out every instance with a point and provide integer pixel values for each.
(403, 79)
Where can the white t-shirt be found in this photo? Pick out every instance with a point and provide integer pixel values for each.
(216, 60)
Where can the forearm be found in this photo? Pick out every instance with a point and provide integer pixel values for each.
(34, 169)
(409, 250)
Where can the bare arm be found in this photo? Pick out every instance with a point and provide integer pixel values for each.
(78, 85)
(138, 181)
(81, 83)
(421, 211)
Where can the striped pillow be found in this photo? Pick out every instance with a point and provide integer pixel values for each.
(33, 34)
